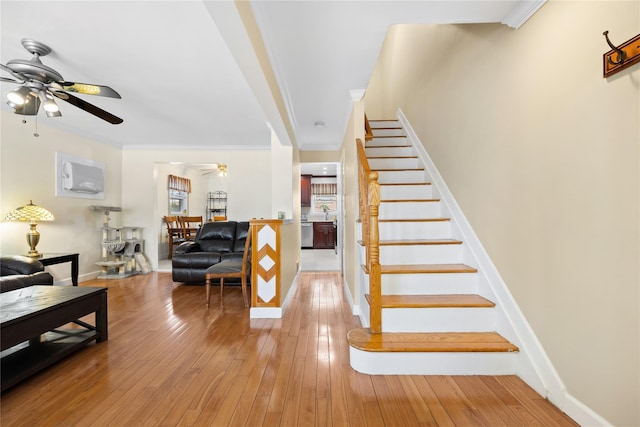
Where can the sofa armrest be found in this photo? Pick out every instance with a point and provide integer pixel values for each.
(187, 248)
(17, 264)
(19, 281)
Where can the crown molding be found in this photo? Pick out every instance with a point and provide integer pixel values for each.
(522, 12)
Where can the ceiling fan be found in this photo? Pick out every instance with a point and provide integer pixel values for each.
(40, 84)
(220, 169)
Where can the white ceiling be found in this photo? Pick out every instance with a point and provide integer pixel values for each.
(188, 78)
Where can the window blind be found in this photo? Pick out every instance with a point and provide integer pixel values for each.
(324, 189)
(179, 183)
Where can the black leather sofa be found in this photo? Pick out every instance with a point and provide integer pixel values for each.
(214, 242)
(20, 272)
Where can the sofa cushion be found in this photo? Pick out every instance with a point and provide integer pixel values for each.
(195, 260)
(242, 229)
(217, 236)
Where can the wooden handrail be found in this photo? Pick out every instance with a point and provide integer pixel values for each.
(369, 202)
(368, 133)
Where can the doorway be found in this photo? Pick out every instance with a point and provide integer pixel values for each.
(314, 259)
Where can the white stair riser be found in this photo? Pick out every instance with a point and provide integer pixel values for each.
(438, 319)
(403, 177)
(388, 132)
(414, 230)
(395, 141)
(406, 192)
(395, 163)
(389, 151)
(433, 284)
(414, 363)
(408, 210)
(384, 124)
(421, 254)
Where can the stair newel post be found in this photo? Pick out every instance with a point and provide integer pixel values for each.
(375, 292)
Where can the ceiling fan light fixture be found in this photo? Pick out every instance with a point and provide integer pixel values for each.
(48, 103)
(19, 96)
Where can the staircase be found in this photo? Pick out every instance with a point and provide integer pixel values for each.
(420, 299)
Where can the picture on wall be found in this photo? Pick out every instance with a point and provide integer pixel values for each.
(78, 177)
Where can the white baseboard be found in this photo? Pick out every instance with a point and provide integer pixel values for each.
(81, 278)
(582, 414)
(266, 313)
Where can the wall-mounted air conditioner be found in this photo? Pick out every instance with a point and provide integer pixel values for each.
(82, 178)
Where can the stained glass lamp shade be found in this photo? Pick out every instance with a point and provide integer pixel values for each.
(32, 214)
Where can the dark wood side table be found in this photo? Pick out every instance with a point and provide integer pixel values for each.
(51, 259)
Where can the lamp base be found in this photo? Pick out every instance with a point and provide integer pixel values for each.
(35, 254)
(33, 237)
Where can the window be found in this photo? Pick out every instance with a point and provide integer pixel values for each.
(179, 189)
(178, 202)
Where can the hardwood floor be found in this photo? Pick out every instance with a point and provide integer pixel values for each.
(170, 361)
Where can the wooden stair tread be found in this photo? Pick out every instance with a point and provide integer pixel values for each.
(422, 268)
(408, 200)
(404, 183)
(392, 157)
(397, 169)
(415, 219)
(416, 242)
(386, 146)
(363, 339)
(426, 268)
(434, 301)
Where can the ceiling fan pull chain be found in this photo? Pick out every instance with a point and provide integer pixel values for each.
(36, 134)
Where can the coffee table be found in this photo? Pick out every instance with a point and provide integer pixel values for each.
(29, 322)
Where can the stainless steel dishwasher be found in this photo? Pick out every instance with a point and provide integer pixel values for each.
(306, 237)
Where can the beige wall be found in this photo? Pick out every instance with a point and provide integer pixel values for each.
(28, 172)
(542, 155)
(355, 129)
(248, 186)
(319, 156)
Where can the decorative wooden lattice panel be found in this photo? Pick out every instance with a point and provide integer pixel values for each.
(265, 263)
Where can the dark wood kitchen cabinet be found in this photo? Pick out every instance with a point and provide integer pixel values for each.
(305, 190)
(323, 235)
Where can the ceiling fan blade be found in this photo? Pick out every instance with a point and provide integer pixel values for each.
(89, 108)
(88, 89)
(4, 79)
(17, 76)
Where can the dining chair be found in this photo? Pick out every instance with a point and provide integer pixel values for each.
(190, 226)
(231, 268)
(175, 231)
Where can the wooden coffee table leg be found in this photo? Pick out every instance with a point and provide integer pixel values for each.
(102, 326)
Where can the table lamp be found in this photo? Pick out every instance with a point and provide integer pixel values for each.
(32, 214)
